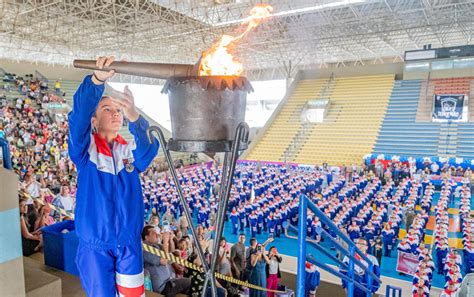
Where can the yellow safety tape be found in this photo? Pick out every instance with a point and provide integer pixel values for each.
(170, 257)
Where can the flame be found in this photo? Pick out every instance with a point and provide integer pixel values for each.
(218, 60)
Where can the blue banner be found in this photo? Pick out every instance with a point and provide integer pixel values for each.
(448, 107)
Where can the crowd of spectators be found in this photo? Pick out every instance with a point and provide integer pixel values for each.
(369, 204)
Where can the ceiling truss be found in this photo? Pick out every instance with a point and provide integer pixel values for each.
(177, 31)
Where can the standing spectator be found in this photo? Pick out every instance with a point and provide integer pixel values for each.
(273, 270)
(183, 224)
(57, 87)
(258, 264)
(237, 257)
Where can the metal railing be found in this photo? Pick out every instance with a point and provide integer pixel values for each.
(40, 76)
(393, 291)
(350, 253)
(5, 149)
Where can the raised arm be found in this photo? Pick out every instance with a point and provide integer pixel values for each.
(85, 102)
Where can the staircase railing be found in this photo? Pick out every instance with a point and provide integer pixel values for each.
(393, 291)
(349, 252)
(5, 154)
(40, 76)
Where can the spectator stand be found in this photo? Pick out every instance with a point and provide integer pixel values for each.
(373, 280)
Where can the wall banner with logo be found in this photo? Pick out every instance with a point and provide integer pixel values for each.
(448, 107)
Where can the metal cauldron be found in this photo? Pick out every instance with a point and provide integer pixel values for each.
(205, 112)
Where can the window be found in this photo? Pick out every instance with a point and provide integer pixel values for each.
(464, 63)
(441, 65)
(417, 66)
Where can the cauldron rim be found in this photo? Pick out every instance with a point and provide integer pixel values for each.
(221, 83)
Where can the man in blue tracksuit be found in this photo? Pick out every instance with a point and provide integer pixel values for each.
(109, 203)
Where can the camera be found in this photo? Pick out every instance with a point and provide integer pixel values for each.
(259, 248)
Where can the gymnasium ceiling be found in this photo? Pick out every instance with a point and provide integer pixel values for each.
(300, 33)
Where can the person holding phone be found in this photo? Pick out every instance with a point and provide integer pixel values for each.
(273, 270)
(258, 264)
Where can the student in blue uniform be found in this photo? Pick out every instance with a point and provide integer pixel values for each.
(353, 230)
(241, 218)
(271, 225)
(278, 221)
(259, 214)
(442, 250)
(388, 236)
(234, 218)
(109, 201)
(253, 223)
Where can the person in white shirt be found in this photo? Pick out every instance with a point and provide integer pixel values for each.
(64, 200)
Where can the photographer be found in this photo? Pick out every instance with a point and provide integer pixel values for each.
(258, 264)
(273, 270)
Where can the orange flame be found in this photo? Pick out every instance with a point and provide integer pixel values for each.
(218, 60)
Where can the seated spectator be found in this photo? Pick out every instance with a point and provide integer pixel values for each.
(64, 200)
(31, 241)
(197, 281)
(44, 219)
(161, 272)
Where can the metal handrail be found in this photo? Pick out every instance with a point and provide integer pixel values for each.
(40, 76)
(7, 161)
(333, 271)
(324, 219)
(393, 289)
(305, 203)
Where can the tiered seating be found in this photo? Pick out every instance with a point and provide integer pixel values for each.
(400, 133)
(465, 147)
(67, 86)
(455, 85)
(358, 105)
(286, 124)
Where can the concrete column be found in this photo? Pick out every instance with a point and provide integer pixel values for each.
(11, 261)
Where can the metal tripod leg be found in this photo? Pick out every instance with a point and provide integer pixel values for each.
(241, 135)
(187, 213)
(215, 246)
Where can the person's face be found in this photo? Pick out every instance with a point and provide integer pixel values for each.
(23, 208)
(242, 239)
(362, 245)
(108, 116)
(152, 236)
(253, 243)
(200, 230)
(65, 190)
